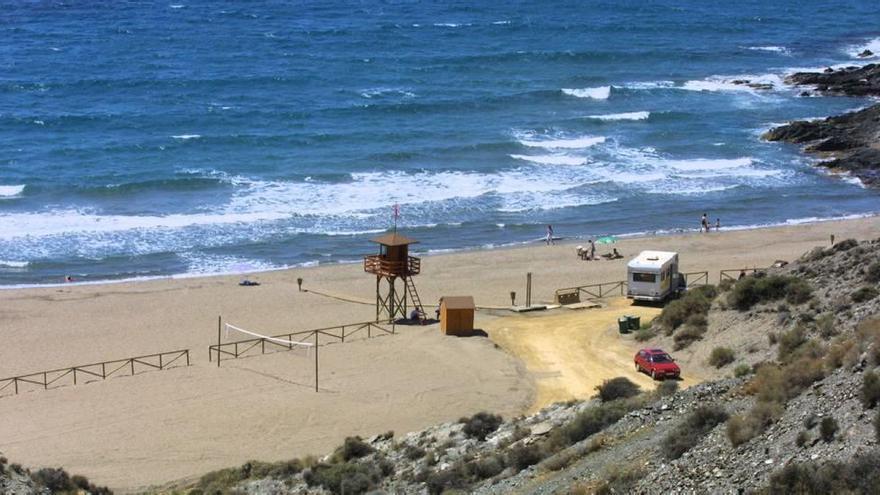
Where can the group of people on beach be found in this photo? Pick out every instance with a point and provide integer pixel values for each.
(705, 223)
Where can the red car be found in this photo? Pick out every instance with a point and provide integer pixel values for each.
(656, 363)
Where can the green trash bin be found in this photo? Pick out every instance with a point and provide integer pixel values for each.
(623, 324)
(634, 322)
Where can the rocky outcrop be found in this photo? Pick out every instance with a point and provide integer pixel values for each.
(849, 142)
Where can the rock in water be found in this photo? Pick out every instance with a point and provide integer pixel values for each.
(866, 53)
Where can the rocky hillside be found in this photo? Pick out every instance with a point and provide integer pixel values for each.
(850, 142)
(17, 480)
(797, 350)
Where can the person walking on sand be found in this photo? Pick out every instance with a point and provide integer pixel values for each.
(549, 235)
(592, 250)
(704, 223)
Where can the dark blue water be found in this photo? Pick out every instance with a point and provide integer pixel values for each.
(144, 139)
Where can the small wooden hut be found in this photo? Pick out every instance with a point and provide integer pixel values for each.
(457, 315)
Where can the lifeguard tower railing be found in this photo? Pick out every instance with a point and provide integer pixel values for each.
(380, 265)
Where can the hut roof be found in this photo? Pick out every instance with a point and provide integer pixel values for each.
(459, 302)
(394, 239)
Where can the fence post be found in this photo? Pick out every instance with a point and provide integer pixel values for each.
(316, 361)
(74, 375)
(187, 356)
(263, 346)
(15, 381)
(45, 381)
(104, 370)
(343, 334)
(219, 324)
(160, 362)
(131, 361)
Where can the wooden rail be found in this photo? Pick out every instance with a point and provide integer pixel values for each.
(696, 278)
(593, 290)
(379, 265)
(726, 274)
(103, 370)
(338, 333)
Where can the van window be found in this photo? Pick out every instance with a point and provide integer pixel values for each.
(644, 277)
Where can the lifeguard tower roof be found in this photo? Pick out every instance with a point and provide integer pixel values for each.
(648, 260)
(394, 239)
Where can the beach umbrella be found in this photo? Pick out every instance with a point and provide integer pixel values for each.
(608, 239)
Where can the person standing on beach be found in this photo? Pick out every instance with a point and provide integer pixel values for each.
(549, 235)
(717, 224)
(704, 223)
(592, 250)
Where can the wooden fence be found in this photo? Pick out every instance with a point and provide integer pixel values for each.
(696, 278)
(338, 333)
(601, 290)
(103, 370)
(735, 273)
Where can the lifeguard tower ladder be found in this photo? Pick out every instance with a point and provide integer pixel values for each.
(394, 262)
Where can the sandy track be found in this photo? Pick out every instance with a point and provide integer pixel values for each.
(570, 352)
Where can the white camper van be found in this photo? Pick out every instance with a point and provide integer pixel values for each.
(653, 276)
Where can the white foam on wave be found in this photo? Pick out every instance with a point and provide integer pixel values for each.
(580, 142)
(186, 137)
(552, 159)
(383, 91)
(14, 264)
(649, 85)
(500, 23)
(199, 264)
(11, 191)
(622, 116)
(450, 24)
(770, 48)
(871, 45)
(726, 83)
(599, 93)
(709, 164)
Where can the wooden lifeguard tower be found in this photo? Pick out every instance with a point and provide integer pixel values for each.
(394, 262)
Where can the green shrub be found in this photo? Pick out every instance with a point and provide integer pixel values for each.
(592, 420)
(827, 428)
(870, 389)
(620, 479)
(877, 425)
(741, 370)
(57, 480)
(754, 290)
(690, 431)
(645, 334)
(859, 475)
(344, 477)
(353, 448)
(453, 478)
(523, 456)
(864, 294)
(486, 467)
(694, 302)
(617, 388)
(481, 425)
(687, 335)
(721, 356)
(789, 342)
(667, 387)
(825, 325)
(872, 274)
(413, 452)
(802, 438)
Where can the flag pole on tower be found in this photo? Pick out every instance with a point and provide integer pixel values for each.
(396, 214)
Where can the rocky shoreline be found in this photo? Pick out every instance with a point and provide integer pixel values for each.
(849, 143)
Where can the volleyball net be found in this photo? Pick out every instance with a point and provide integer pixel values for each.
(258, 339)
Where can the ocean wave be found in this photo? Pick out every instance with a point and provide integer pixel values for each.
(11, 191)
(14, 264)
(649, 85)
(872, 45)
(598, 93)
(773, 49)
(379, 92)
(562, 143)
(709, 164)
(622, 116)
(546, 202)
(552, 159)
(186, 137)
(450, 24)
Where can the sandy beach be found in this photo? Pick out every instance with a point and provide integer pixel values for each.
(162, 426)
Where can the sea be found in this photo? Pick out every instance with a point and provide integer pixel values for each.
(147, 139)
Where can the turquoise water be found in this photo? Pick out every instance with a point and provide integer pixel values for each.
(142, 140)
